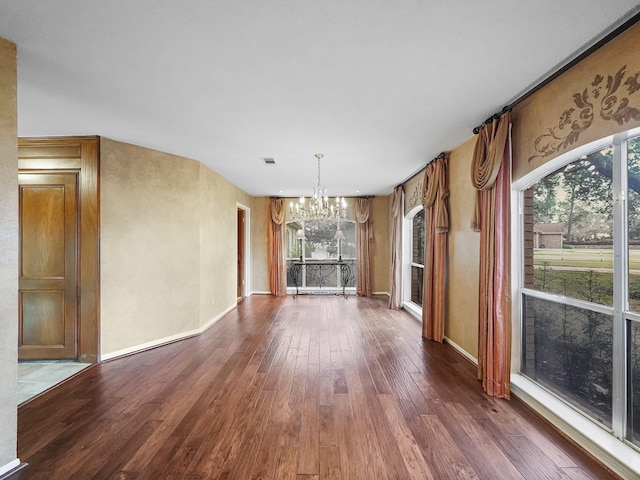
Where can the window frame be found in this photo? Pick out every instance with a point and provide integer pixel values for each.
(619, 310)
(326, 288)
(407, 255)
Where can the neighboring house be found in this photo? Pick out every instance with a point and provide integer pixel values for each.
(548, 235)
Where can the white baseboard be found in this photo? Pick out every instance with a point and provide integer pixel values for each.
(461, 351)
(261, 293)
(381, 293)
(166, 340)
(615, 454)
(9, 466)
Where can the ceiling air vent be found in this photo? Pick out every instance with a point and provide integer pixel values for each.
(269, 162)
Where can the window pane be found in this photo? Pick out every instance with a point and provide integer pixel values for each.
(292, 278)
(416, 284)
(348, 245)
(294, 245)
(634, 388)
(633, 159)
(569, 231)
(319, 243)
(418, 238)
(569, 351)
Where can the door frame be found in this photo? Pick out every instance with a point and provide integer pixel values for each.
(246, 288)
(82, 156)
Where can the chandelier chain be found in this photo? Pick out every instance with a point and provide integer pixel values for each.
(318, 206)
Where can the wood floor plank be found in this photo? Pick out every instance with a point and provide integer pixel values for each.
(442, 452)
(284, 386)
(229, 425)
(116, 462)
(245, 446)
(327, 426)
(466, 433)
(266, 458)
(523, 453)
(576, 473)
(326, 389)
(367, 442)
(351, 468)
(293, 418)
(310, 425)
(409, 449)
(283, 389)
(330, 463)
(287, 466)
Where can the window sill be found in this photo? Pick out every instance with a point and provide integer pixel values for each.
(615, 454)
(413, 309)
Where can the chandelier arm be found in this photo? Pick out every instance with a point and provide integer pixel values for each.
(318, 207)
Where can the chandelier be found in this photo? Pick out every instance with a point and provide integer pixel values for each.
(318, 207)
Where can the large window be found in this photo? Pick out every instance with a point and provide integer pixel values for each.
(581, 285)
(417, 257)
(318, 240)
(413, 259)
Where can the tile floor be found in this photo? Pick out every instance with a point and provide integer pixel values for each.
(36, 377)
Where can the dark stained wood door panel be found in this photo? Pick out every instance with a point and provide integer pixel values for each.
(48, 266)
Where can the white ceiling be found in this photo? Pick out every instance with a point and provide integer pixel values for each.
(379, 86)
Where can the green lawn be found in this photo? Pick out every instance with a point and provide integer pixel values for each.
(586, 280)
(582, 257)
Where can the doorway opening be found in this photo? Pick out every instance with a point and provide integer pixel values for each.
(242, 252)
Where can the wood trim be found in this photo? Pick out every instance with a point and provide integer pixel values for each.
(89, 334)
(81, 154)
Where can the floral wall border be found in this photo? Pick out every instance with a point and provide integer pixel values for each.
(575, 120)
(416, 197)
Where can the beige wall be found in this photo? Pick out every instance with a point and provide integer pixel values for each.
(598, 97)
(219, 201)
(381, 259)
(9, 256)
(461, 324)
(168, 245)
(260, 218)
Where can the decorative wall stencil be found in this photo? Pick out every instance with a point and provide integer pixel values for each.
(416, 196)
(614, 106)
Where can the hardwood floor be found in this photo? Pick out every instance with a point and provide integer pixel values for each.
(316, 388)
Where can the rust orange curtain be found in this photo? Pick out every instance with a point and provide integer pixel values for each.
(395, 277)
(277, 266)
(491, 176)
(363, 241)
(435, 194)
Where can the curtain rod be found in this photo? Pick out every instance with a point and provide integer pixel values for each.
(600, 43)
(441, 155)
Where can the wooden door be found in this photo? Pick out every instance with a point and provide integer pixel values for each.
(48, 266)
(241, 216)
